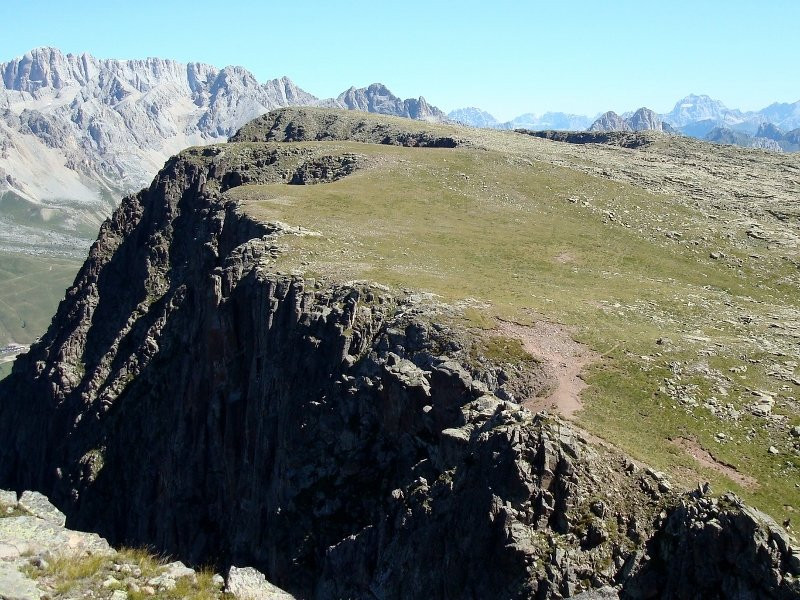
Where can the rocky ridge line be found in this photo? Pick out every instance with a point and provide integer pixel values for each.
(643, 119)
(336, 436)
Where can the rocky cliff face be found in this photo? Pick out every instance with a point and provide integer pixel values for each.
(116, 121)
(337, 436)
(645, 119)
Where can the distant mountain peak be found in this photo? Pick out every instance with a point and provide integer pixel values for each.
(476, 117)
(725, 135)
(770, 131)
(700, 107)
(377, 98)
(644, 119)
(610, 121)
(472, 116)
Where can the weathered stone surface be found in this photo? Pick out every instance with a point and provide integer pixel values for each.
(303, 124)
(610, 121)
(39, 506)
(249, 584)
(14, 585)
(8, 499)
(378, 99)
(604, 593)
(708, 548)
(34, 535)
(173, 571)
(643, 119)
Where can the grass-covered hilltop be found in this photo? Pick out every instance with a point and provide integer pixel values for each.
(372, 357)
(675, 261)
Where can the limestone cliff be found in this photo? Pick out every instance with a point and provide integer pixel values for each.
(337, 436)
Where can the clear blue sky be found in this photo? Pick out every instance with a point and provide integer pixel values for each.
(506, 57)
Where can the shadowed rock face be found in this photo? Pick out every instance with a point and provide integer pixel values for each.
(335, 436)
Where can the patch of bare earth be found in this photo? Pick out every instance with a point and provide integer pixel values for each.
(564, 359)
(705, 458)
(564, 258)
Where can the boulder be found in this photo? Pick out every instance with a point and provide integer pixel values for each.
(248, 583)
(39, 506)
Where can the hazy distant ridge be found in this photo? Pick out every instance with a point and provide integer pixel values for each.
(694, 115)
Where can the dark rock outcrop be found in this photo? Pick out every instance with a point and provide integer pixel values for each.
(615, 138)
(710, 548)
(338, 437)
(314, 124)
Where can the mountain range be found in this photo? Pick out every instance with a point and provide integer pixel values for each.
(643, 119)
(475, 117)
(78, 132)
(697, 116)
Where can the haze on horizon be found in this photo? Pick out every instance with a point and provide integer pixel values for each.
(511, 58)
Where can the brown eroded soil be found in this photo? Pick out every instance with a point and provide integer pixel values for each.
(564, 358)
(705, 458)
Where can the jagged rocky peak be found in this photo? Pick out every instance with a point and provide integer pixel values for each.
(700, 107)
(377, 98)
(473, 117)
(643, 119)
(45, 67)
(770, 131)
(610, 121)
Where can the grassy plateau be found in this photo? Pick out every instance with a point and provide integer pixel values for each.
(694, 319)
